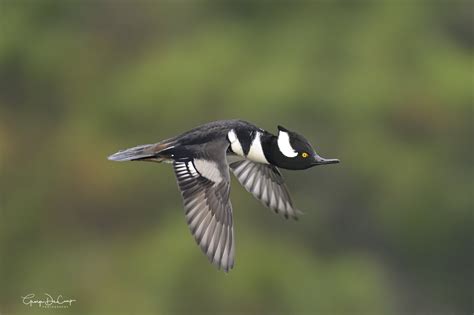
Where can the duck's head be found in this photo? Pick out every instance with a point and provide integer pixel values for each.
(292, 151)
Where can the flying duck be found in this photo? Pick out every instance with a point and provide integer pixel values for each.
(202, 158)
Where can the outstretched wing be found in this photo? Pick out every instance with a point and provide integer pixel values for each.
(205, 188)
(265, 183)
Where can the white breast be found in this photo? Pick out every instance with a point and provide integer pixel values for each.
(256, 152)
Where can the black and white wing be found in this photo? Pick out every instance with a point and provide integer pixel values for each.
(205, 188)
(265, 183)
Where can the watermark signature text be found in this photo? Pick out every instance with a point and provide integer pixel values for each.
(47, 302)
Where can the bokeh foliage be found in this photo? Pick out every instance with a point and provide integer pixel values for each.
(384, 86)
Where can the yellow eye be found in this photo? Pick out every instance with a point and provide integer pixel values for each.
(304, 155)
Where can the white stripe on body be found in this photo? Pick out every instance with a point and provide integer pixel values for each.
(256, 151)
(235, 143)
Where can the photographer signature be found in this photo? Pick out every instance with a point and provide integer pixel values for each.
(48, 302)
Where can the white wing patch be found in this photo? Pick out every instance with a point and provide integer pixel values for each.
(208, 169)
(256, 152)
(192, 170)
(235, 143)
(284, 145)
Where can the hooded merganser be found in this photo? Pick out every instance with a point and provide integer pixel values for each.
(201, 160)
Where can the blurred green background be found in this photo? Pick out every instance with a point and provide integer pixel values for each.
(384, 86)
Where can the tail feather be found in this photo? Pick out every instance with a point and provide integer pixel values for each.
(138, 152)
(141, 152)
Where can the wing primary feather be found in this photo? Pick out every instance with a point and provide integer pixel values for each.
(207, 207)
(265, 183)
(208, 234)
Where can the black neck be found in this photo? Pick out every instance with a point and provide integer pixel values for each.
(270, 148)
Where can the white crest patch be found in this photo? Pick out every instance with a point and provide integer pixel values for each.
(256, 152)
(208, 169)
(235, 143)
(284, 145)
